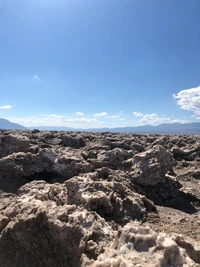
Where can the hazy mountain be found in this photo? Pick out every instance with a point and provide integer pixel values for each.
(167, 128)
(8, 125)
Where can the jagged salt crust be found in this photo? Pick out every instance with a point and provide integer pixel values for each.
(91, 199)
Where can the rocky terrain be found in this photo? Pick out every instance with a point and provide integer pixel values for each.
(99, 199)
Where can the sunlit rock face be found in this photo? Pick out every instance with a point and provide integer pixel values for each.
(99, 199)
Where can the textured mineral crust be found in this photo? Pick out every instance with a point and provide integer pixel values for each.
(71, 199)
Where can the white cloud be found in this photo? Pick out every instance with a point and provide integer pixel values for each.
(137, 114)
(65, 119)
(79, 113)
(113, 117)
(189, 99)
(6, 107)
(54, 117)
(154, 119)
(57, 120)
(116, 117)
(37, 78)
(100, 114)
(85, 120)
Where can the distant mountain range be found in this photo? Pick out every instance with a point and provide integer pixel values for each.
(167, 128)
(8, 125)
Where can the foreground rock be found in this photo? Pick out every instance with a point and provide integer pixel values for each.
(96, 200)
(150, 167)
(42, 229)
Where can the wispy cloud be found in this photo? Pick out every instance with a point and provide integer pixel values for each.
(113, 117)
(58, 120)
(189, 99)
(102, 114)
(36, 77)
(154, 119)
(65, 119)
(137, 114)
(79, 113)
(6, 107)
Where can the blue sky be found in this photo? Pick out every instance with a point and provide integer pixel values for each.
(99, 63)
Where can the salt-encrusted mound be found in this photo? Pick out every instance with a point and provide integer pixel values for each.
(40, 228)
(89, 199)
(135, 245)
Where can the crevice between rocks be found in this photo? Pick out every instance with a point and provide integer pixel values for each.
(168, 195)
(11, 186)
(49, 177)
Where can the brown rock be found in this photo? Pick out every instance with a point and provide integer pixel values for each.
(150, 167)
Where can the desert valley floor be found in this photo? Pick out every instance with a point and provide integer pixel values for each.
(78, 199)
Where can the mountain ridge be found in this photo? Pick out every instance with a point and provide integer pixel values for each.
(166, 128)
(8, 125)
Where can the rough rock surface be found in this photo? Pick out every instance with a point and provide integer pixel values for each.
(99, 199)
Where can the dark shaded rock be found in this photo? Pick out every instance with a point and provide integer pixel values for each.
(13, 143)
(180, 154)
(74, 142)
(35, 131)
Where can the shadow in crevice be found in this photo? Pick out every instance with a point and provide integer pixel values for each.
(168, 195)
(49, 177)
(12, 186)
